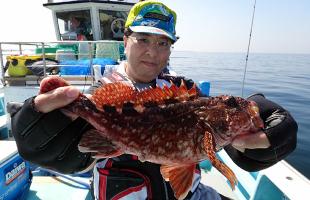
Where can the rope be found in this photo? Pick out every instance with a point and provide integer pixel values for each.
(248, 51)
(83, 184)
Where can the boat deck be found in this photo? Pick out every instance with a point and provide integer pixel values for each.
(68, 187)
(280, 181)
(216, 180)
(56, 188)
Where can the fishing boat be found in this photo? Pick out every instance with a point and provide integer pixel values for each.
(81, 63)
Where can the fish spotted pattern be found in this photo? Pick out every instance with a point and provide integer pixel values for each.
(170, 126)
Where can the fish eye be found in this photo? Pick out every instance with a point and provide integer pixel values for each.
(232, 102)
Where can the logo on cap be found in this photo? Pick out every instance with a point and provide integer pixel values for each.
(152, 17)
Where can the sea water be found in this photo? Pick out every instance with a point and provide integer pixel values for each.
(282, 78)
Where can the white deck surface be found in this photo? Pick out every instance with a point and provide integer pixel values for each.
(56, 188)
(7, 149)
(216, 180)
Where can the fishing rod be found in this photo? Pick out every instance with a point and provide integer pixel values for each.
(248, 50)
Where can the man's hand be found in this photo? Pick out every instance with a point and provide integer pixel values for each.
(257, 140)
(55, 99)
(265, 148)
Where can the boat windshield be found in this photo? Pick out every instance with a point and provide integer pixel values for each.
(75, 25)
(112, 24)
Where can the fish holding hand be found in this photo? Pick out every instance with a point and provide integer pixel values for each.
(171, 126)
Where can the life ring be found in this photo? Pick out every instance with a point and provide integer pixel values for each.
(117, 27)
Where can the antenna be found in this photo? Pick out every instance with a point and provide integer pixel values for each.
(248, 51)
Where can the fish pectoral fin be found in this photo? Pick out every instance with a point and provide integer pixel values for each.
(100, 155)
(180, 178)
(219, 165)
(95, 142)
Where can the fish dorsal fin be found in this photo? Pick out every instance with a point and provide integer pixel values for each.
(180, 178)
(113, 94)
(119, 93)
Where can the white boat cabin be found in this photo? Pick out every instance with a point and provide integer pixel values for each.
(94, 19)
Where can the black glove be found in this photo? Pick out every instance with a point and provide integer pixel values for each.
(281, 130)
(49, 140)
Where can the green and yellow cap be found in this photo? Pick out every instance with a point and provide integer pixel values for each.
(152, 17)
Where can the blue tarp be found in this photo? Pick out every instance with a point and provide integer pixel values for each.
(82, 67)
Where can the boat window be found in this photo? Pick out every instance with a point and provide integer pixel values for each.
(112, 24)
(75, 25)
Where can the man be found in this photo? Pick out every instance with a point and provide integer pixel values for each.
(48, 137)
(80, 27)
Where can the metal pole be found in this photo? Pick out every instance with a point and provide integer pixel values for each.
(91, 62)
(20, 49)
(43, 59)
(2, 65)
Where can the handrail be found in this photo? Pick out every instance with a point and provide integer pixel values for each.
(63, 42)
(18, 48)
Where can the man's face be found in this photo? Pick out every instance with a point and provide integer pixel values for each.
(74, 23)
(147, 55)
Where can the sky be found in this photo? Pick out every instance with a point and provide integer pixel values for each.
(280, 26)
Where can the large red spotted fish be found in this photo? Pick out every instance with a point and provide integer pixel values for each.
(170, 126)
